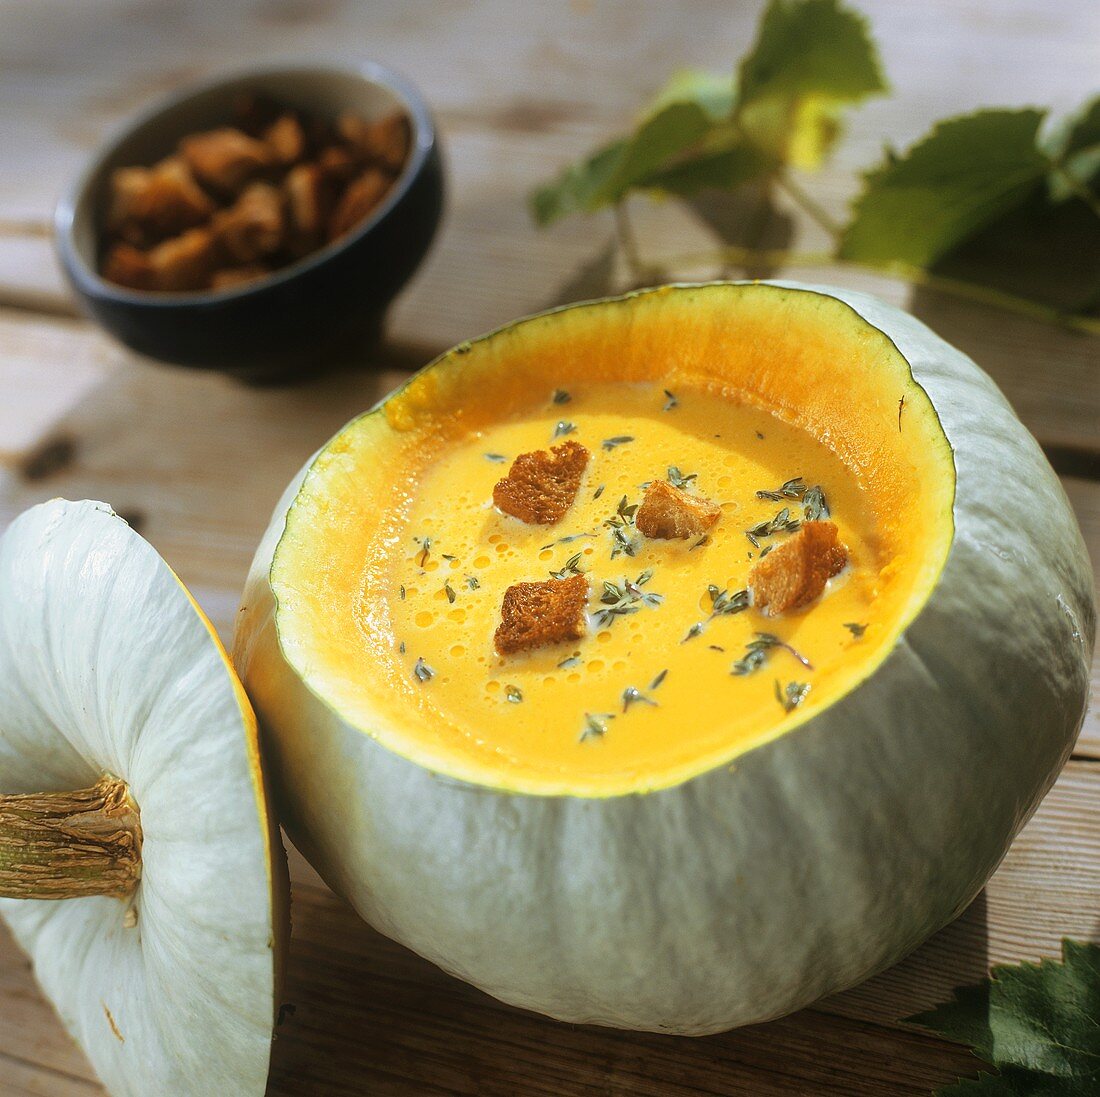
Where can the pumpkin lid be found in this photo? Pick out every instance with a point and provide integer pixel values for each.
(138, 859)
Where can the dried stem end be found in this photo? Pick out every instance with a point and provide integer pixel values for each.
(66, 845)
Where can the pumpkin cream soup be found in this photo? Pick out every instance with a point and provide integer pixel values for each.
(622, 580)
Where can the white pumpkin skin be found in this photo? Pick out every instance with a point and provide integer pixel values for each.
(752, 890)
(107, 667)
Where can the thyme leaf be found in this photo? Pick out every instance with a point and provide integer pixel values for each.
(695, 630)
(449, 590)
(658, 680)
(782, 522)
(563, 428)
(599, 491)
(425, 544)
(814, 506)
(678, 479)
(401, 592)
(513, 695)
(570, 567)
(568, 540)
(792, 695)
(756, 653)
(618, 440)
(670, 402)
(724, 603)
(595, 725)
(570, 661)
(632, 696)
(624, 541)
(857, 630)
(423, 672)
(560, 396)
(472, 582)
(497, 457)
(790, 489)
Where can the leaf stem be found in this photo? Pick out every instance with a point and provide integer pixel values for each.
(1077, 187)
(628, 241)
(905, 272)
(817, 212)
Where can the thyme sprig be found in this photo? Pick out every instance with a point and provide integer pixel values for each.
(792, 695)
(568, 539)
(756, 653)
(726, 603)
(634, 696)
(624, 539)
(595, 725)
(679, 479)
(814, 506)
(619, 599)
(790, 489)
(619, 440)
(572, 566)
(782, 522)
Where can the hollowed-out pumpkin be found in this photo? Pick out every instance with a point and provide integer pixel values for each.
(688, 812)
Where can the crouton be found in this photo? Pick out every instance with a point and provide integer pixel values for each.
(253, 227)
(540, 487)
(127, 266)
(309, 198)
(384, 142)
(795, 572)
(669, 512)
(185, 262)
(535, 615)
(287, 139)
(231, 277)
(225, 159)
(336, 164)
(357, 201)
(148, 205)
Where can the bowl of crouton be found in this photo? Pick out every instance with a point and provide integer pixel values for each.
(259, 224)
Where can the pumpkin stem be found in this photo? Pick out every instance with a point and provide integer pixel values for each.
(66, 845)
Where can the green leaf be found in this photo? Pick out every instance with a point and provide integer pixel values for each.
(682, 114)
(811, 59)
(1073, 145)
(1039, 1024)
(961, 177)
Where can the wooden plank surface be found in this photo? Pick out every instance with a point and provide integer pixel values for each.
(197, 462)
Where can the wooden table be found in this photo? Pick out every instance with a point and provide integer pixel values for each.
(196, 462)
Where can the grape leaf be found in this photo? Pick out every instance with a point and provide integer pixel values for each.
(811, 58)
(1038, 1024)
(961, 177)
(679, 117)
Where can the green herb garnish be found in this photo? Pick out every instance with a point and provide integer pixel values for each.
(626, 597)
(725, 603)
(570, 661)
(791, 696)
(658, 680)
(618, 440)
(570, 567)
(560, 396)
(671, 402)
(450, 591)
(756, 653)
(695, 630)
(678, 479)
(595, 725)
(472, 582)
(568, 540)
(856, 629)
(623, 539)
(780, 523)
(497, 457)
(422, 671)
(790, 489)
(563, 428)
(814, 506)
(633, 696)
(599, 491)
(401, 592)
(513, 695)
(425, 544)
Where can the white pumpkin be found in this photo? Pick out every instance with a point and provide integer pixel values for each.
(112, 681)
(790, 871)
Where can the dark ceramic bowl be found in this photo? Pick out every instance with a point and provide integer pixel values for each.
(296, 320)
